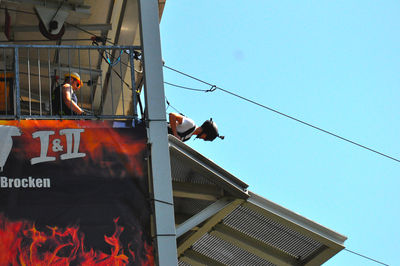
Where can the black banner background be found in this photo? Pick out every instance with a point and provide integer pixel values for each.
(97, 194)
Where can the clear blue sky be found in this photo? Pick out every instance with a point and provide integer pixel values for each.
(334, 64)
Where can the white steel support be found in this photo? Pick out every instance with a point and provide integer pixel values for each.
(157, 134)
(200, 217)
(187, 243)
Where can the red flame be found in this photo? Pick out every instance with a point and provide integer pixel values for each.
(149, 255)
(22, 244)
(99, 137)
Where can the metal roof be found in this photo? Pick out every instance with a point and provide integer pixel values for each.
(220, 222)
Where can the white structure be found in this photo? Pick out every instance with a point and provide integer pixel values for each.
(202, 214)
(220, 222)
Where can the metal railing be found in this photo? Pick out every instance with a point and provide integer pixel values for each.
(30, 75)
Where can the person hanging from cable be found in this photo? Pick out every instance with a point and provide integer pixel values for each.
(184, 128)
(64, 99)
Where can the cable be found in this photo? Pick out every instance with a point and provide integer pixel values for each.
(182, 87)
(285, 115)
(79, 28)
(214, 87)
(107, 53)
(122, 80)
(19, 11)
(46, 40)
(88, 32)
(358, 254)
(169, 105)
(58, 9)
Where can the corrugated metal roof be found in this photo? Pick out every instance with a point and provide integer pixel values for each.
(248, 230)
(226, 253)
(272, 233)
(185, 173)
(182, 263)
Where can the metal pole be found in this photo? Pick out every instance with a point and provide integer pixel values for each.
(91, 79)
(40, 83)
(50, 88)
(157, 134)
(59, 111)
(133, 83)
(5, 82)
(80, 74)
(111, 86)
(29, 84)
(122, 83)
(17, 92)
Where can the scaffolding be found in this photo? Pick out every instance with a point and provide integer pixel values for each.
(29, 75)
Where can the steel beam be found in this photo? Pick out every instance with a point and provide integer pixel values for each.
(256, 247)
(160, 167)
(114, 99)
(72, 6)
(196, 191)
(208, 225)
(200, 217)
(118, 11)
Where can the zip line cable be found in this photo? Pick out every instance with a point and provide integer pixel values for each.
(58, 9)
(80, 28)
(214, 87)
(186, 88)
(283, 114)
(363, 256)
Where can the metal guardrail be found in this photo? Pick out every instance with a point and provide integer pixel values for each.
(29, 75)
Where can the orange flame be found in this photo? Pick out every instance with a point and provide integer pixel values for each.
(22, 244)
(99, 138)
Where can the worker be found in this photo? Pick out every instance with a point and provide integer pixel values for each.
(184, 128)
(69, 104)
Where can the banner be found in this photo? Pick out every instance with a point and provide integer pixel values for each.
(74, 193)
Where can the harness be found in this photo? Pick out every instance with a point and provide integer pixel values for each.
(56, 99)
(188, 132)
(183, 135)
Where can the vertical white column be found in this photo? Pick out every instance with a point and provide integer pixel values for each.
(157, 134)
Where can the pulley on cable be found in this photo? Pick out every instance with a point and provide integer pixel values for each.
(51, 21)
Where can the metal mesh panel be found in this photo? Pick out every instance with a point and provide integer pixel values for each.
(182, 263)
(183, 172)
(271, 232)
(226, 253)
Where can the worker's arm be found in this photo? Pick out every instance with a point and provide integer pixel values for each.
(174, 120)
(69, 102)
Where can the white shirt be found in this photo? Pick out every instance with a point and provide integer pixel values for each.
(187, 124)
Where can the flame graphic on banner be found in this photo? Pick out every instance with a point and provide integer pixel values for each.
(98, 141)
(22, 244)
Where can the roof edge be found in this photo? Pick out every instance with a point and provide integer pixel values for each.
(297, 219)
(174, 142)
